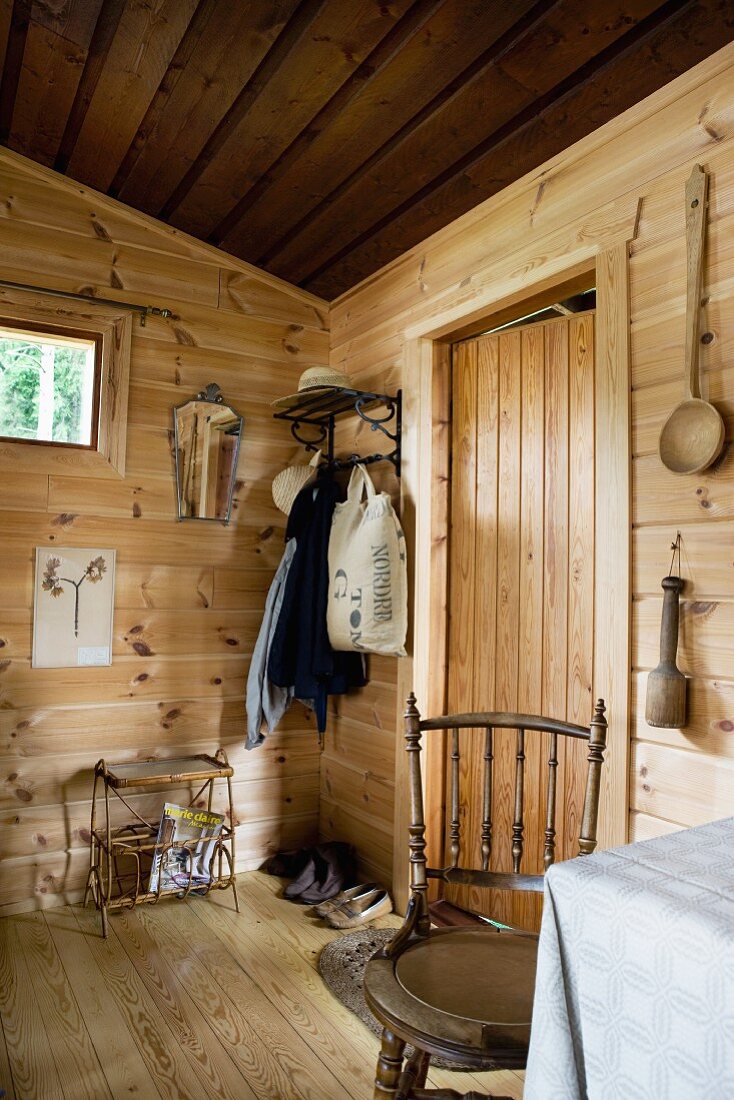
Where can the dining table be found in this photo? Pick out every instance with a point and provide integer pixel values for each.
(634, 996)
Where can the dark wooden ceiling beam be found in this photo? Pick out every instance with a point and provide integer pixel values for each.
(72, 20)
(6, 15)
(99, 48)
(345, 235)
(17, 34)
(340, 37)
(139, 55)
(298, 26)
(685, 34)
(427, 74)
(479, 109)
(55, 53)
(430, 60)
(479, 65)
(182, 57)
(194, 100)
(383, 54)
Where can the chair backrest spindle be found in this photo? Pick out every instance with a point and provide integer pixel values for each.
(549, 848)
(455, 828)
(487, 799)
(518, 826)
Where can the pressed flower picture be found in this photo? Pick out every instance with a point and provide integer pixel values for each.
(74, 599)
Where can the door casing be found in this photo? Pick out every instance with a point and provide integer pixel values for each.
(425, 514)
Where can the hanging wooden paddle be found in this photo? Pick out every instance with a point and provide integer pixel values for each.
(693, 435)
(666, 685)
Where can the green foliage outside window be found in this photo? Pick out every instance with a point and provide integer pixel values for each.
(20, 385)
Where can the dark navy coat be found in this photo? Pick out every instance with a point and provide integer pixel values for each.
(301, 656)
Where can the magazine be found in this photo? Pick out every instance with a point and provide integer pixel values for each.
(187, 840)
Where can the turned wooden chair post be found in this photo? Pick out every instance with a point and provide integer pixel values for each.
(417, 829)
(417, 920)
(597, 744)
(389, 1065)
(413, 1076)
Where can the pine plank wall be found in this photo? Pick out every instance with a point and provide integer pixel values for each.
(197, 593)
(189, 596)
(540, 228)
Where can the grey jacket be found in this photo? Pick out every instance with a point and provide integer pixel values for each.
(266, 702)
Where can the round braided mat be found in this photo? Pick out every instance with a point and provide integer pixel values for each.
(342, 963)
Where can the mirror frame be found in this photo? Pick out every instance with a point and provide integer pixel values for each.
(213, 395)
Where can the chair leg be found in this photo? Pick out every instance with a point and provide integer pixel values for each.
(420, 1077)
(389, 1065)
(414, 1075)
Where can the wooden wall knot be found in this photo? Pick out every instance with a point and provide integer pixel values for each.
(100, 231)
(701, 608)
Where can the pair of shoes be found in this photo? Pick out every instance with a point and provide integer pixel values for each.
(361, 909)
(327, 871)
(346, 895)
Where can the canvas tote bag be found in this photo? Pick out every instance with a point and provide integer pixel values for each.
(367, 609)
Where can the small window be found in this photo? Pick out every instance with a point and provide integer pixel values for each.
(50, 384)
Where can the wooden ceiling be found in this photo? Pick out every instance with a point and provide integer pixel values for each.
(320, 139)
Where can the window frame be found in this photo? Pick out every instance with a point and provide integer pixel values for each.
(112, 330)
(28, 328)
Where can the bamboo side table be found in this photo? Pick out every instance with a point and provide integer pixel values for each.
(121, 857)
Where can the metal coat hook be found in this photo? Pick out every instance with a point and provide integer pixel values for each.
(313, 416)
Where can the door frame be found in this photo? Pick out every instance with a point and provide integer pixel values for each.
(425, 515)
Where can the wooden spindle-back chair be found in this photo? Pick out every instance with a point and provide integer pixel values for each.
(466, 994)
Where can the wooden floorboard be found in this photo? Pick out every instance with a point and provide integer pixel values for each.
(124, 1066)
(186, 999)
(6, 1077)
(69, 1040)
(32, 1061)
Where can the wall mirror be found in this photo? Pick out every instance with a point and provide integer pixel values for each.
(207, 442)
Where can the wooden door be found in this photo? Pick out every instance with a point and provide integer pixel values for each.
(521, 579)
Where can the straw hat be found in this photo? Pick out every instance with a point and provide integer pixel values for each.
(314, 378)
(289, 482)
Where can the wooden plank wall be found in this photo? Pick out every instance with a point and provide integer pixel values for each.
(189, 596)
(574, 206)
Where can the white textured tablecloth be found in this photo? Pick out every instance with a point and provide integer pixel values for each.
(634, 994)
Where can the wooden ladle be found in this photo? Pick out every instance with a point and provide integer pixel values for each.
(693, 434)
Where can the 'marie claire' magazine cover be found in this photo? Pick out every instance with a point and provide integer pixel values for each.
(186, 841)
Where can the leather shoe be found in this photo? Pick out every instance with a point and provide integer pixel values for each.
(346, 895)
(361, 910)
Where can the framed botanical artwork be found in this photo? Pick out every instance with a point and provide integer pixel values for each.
(74, 598)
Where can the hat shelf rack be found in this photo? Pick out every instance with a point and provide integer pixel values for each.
(313, 417)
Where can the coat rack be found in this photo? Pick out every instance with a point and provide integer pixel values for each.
(316, 413)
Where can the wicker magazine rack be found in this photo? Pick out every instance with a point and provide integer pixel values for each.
(122, 855)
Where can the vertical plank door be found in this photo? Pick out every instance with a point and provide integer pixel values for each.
(521, 630)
